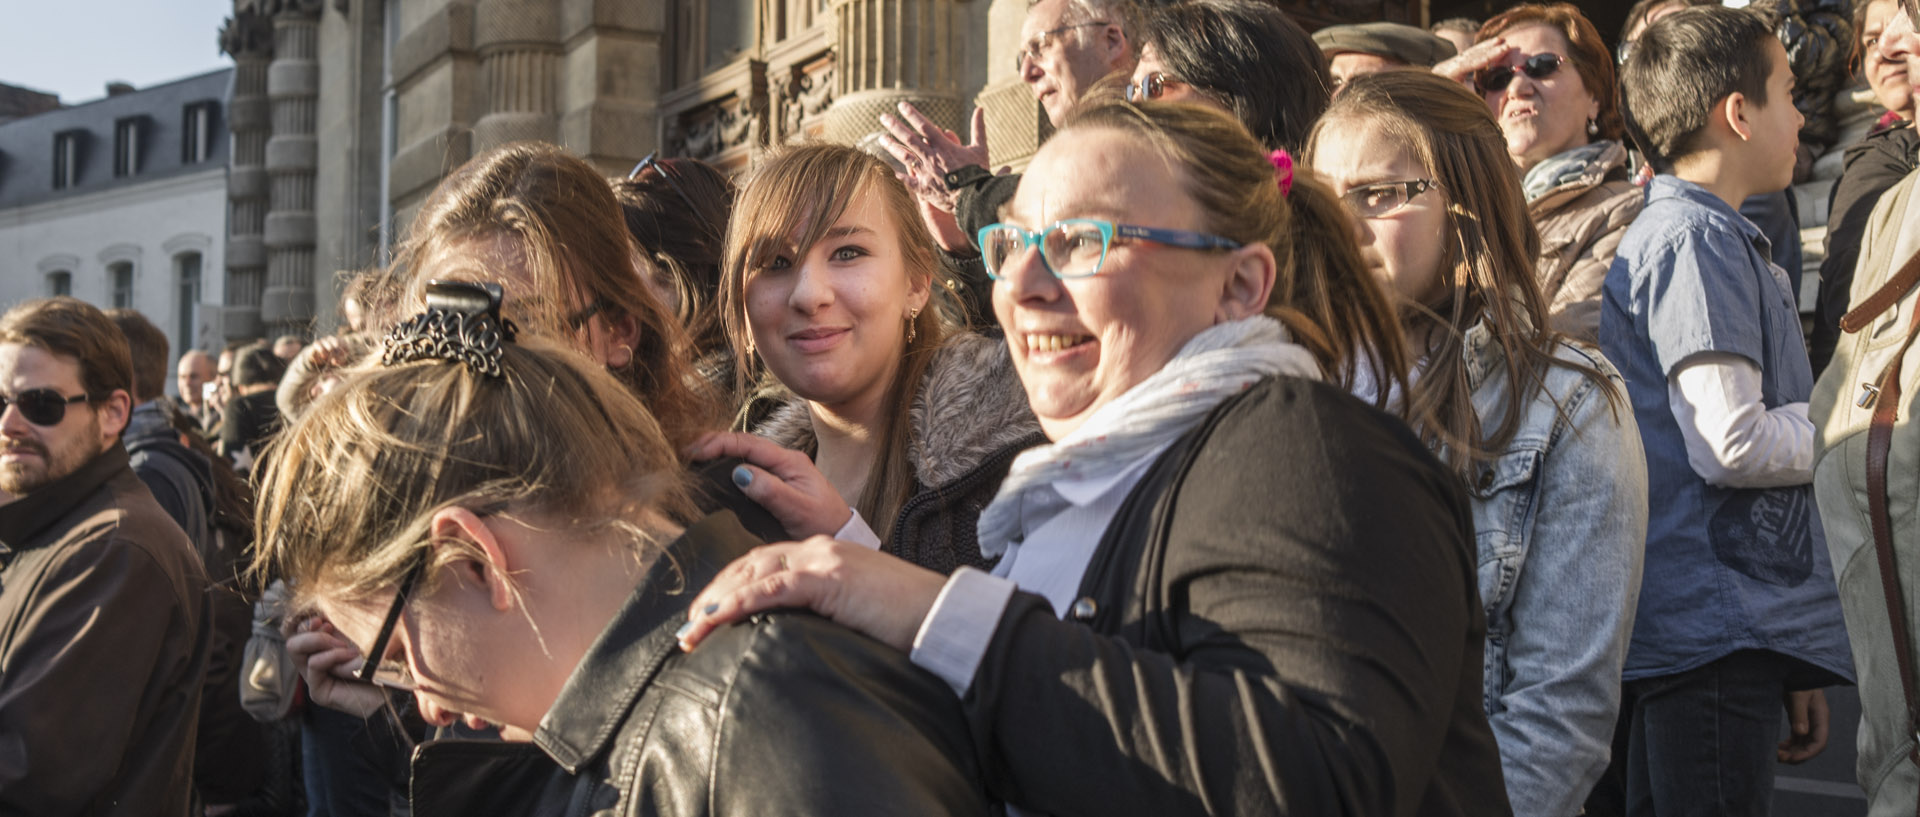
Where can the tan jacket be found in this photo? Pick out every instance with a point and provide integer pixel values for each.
(104, 636)
(1840, 487)
(1581, 223)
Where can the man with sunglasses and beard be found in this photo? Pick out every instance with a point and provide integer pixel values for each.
(104, 633)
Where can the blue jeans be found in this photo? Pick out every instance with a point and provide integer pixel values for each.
(1702, 742)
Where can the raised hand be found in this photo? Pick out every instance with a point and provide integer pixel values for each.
(930, 152)
(1462, 66)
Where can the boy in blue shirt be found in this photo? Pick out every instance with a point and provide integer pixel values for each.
(1738, 610)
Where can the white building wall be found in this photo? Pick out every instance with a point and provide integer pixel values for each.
(149, 225)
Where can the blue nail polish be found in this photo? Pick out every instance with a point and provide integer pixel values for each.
(741, 476)
(710, 609)
(681, 634)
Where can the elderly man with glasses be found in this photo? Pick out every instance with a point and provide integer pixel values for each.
(104, 630)
(1065, 47)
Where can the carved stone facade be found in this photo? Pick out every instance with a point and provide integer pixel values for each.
(348, 112)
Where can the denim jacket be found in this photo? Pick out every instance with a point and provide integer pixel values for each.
(1560, 518)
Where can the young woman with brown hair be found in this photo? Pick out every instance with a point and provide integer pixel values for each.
(1227, 586)
(543, 224)
(1535, 427)
(525, 562)
(828, 285)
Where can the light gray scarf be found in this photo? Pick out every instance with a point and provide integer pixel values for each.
(1216, 364)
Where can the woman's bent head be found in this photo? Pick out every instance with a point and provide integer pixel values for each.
(494, 488)
(1084, 330)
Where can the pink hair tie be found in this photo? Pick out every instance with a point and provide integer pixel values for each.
(1283, 169)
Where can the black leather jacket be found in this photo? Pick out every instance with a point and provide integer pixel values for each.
(784, 714)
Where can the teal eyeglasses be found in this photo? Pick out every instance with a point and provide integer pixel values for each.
(1077, 247)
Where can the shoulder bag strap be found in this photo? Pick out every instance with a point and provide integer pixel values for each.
(1886, 408)
(1883, 298)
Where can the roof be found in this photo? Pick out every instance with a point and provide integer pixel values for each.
(27, 144)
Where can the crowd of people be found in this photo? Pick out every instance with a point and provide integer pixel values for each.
(1371, 421)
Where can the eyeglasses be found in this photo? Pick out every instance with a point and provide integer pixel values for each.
(1041, 40)
(41, 407)
(378, 670)
(1385, 198)
(579, 319)
(1538, 66)
(1077, 247)
(1152, 87)
(658, 167)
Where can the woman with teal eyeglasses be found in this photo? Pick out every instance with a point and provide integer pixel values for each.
(1225, 586)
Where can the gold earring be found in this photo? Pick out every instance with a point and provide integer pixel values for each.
(912, 331)
(628, 358)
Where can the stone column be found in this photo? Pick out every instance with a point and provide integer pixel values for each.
(518, 42)
(293, 91)
(248, 38)
(889, 51)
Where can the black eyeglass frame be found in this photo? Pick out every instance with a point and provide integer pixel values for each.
(51, 410)
(379, 646)
(1539, 66)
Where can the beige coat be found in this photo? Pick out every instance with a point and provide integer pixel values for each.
(1581, 223)
(1840, 487)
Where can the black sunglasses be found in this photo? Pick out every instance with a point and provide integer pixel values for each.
(660, 168)
(375, 654)
(1538, 66)
(41, 407)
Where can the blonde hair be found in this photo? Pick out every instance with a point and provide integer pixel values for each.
(1322, 291)
(790, 202)
(349, 491)
(534, 208)
(1490, 250)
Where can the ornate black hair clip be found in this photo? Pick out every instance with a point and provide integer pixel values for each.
(462, 323)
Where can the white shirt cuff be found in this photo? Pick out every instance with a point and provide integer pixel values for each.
(953, 639)
(857, 532)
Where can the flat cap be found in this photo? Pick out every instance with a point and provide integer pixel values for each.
(1391, 40)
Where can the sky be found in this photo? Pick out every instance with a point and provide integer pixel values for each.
(75, 47)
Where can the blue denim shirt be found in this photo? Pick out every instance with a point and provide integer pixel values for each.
(1727, 568)
(1559, 518)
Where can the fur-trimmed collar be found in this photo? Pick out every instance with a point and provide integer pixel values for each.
(970, 406)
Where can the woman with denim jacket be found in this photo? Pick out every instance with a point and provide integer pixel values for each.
(1533, 423)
